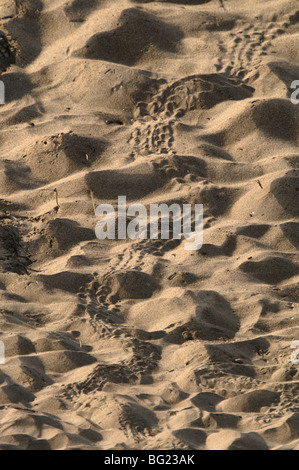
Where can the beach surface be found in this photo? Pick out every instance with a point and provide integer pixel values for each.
(142, 344)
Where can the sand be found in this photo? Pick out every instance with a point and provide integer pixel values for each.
(141, 344)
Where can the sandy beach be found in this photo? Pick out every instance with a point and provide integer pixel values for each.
(141, 344)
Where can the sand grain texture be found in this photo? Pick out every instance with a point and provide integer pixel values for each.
(142, 344)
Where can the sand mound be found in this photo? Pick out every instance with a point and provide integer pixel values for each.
(133, 344)
(233, 440)
(128, 285)
(138, 33)
(249, 402)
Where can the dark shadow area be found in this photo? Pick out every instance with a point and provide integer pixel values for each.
(24, 115)
(76, 147)
(11, 259)
(277, 118)
(254, 230)
(291, 232)
(19, 176)
(226, 249)
(109, 184)
(237, 358)
(138, 32)
(286, 192)
(271, 270)
(66, 281)
(214, 320)
(217, 201)
(13, 392)
(17, 85)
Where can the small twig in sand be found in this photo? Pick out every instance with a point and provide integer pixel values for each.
(260, 184)
(222, 4)
(92, 200)
(56, 193)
